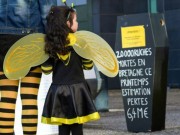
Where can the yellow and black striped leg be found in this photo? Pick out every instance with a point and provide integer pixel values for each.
(8, 89)
(29, 91)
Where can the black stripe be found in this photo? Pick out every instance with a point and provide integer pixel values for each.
(33, 74)
(29, 124)
(28, 107)
(11, 133)
(28, 96)
(87, 64)
(9, 88)
(30, 132)
(7, 110)
(30, 85)
(3, 76)
(6, 119)
(8, 100)
(5, 126)
(29, 116)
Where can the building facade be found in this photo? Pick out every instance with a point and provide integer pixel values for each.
(100, 16)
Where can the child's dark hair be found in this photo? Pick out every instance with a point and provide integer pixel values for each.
(57, 30)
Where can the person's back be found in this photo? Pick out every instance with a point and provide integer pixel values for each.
(19, 18)
(23, 16)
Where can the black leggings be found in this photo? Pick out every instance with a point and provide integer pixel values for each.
(75, 129)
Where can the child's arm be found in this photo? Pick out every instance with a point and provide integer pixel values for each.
(47, 67)
(87, 64)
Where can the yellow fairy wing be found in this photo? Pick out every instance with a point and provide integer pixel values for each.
(27, 52)
(91, 46)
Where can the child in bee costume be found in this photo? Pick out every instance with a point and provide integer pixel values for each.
(68, 102)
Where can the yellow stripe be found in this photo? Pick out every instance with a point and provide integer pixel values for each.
(79, 120)
(65, 58)
(9, 115)
(28, 121)
(7, 123)
(7, 105)
(88, 65)
(7, 130)
(30, 128)
(72, 38)
(31, 79)
(46, 68)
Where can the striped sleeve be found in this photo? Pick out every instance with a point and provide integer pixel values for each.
(87, 64)
(47, 67)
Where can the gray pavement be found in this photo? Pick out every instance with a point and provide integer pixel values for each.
(113, 122)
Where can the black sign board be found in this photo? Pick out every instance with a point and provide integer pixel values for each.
(142, 52)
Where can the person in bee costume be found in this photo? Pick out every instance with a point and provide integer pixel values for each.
(19, 18)
(68, 103)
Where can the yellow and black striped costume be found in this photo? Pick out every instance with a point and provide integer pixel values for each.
(8, 94)
(68, 100)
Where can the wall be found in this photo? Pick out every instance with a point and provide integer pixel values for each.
(105, 12)
(172, 15)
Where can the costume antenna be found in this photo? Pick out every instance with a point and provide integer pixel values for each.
(64, 1)
(72, 5)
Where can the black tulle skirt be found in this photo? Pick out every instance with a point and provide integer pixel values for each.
(69, 104)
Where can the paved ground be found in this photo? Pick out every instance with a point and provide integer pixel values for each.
(114, 123)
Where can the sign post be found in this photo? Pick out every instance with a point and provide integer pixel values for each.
(142, 51)
(152, 6)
